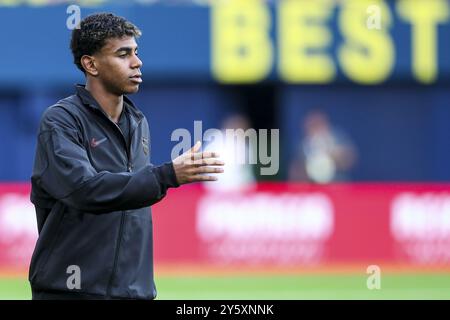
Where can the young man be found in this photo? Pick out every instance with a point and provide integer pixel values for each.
(92, 182)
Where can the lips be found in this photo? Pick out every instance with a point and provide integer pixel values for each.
(136, 78)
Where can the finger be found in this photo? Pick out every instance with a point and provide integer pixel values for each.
(203, 162)
(195, 148)
(206, 155)
(208, 162)
(208, 170)
(196, 156)
(203, 178)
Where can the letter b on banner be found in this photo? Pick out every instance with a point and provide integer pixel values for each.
(242, 50)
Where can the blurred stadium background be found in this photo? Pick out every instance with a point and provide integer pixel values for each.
(359, 91)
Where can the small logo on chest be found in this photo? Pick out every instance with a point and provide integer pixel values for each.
(95, 143)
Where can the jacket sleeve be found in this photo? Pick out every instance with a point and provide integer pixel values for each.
(62, 168)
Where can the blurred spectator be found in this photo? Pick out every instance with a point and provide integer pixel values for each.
(326, 154)
(234, 147)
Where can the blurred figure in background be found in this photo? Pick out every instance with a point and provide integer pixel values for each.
(233, 147)
(325, 154)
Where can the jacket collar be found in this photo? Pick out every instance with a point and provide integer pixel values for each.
(88, 100)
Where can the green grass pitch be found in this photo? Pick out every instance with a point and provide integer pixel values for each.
(261, 287)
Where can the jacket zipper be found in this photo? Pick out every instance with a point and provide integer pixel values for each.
(122, 217)
(127, 150)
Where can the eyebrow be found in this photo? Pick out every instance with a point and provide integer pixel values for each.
(126, 49)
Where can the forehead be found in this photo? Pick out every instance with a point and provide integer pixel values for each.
(113, 44)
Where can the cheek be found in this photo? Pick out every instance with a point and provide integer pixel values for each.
(114, 70)
(118, 79)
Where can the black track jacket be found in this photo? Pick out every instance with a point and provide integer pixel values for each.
(92, 196)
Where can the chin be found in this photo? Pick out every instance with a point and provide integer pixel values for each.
(131, 90)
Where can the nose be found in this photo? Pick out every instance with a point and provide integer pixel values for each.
(137, 63)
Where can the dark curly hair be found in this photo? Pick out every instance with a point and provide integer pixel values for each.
(93, 32)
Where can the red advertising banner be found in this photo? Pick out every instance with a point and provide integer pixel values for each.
(18, 228)
(285, 224)
(274, 224)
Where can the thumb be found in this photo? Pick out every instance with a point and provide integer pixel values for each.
(196, 147)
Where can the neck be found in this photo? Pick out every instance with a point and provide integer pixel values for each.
(112, 104)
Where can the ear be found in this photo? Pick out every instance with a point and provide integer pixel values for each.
(89, 64)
